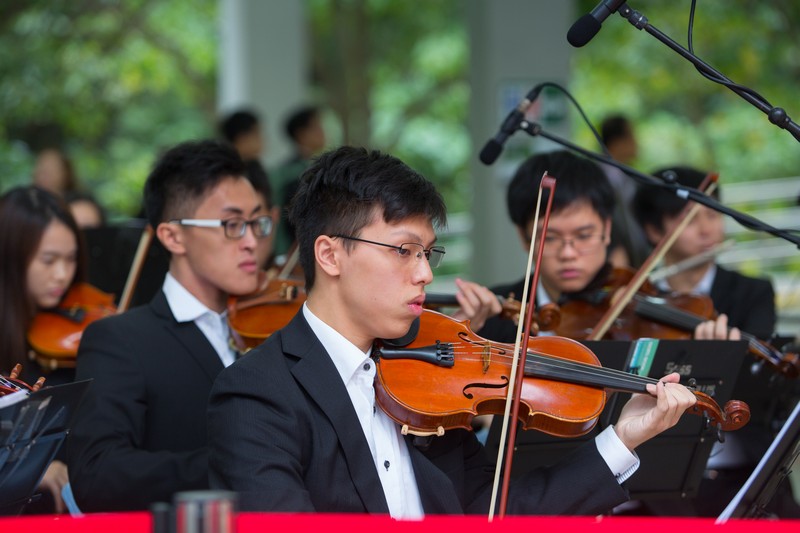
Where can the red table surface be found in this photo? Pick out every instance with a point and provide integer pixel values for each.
(252, 522)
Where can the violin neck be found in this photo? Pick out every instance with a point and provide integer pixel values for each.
(660, 312)
(569, 371)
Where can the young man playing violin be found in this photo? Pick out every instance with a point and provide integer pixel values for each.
(140, 435)
(294, 425)
(575, 256)
(749, 303)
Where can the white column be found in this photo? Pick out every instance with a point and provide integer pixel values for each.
(515, 44)
(263, 64)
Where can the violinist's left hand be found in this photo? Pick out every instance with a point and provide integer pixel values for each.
(717, 330)
(476, 303)
(645, 416)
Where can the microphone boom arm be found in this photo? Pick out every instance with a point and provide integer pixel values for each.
(533, 129)
(776, 115)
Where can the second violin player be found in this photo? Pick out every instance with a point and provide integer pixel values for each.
(575, 256)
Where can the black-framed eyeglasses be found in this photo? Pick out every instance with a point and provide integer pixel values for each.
(582, 243)
(234, 228)
(434, 254)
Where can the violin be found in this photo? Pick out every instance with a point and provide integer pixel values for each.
(54, 334)
(547, 316)
(12, 383)
(441, 375)
(640, 318)
(258, 315)
(650, 314)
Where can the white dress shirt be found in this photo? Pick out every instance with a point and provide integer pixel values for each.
(388, 447)
(187, 308)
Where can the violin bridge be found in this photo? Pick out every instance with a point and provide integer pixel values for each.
(486, 357)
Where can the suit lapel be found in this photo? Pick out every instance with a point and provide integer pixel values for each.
(435, 489)
(316, 373)
(189, 335)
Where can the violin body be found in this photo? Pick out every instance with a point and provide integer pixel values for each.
(258, 315)
(639, 319)
(477, 383)
(54, 334)
(447, 375)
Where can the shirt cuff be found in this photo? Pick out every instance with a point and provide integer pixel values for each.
(620, 460)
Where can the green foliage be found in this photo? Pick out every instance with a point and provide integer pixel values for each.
(112, 82)
(681, 116)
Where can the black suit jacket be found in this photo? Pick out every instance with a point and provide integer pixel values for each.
(748, 302)
(284, 435)
(140, 434)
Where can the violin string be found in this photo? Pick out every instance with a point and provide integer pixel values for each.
(569, 370)
(688, 321)
(564, 367)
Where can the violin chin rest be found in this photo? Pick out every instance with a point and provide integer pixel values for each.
(406, 339)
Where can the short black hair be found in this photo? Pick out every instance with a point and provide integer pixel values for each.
(652, 203)
(184, 174)
(299, 120)
(238, 123)
(342, 189)
(259, 179)
(614, 127)
(577, 179)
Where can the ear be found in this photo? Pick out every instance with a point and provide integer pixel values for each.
(524, 239)
(652, 233)
(327, 252)
(172, 237)
(607, 232)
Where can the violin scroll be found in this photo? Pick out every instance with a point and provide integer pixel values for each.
(735, 414)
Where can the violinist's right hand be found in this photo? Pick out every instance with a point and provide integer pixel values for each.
(717, 330)
(476, 304)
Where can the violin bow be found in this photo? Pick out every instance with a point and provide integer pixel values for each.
(687, 214)
(520, 351)
(136, 269)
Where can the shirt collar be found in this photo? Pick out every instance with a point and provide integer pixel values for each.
(346, 356)
(184, 306)
(703, 286)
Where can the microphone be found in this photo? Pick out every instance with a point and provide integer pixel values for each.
(491, 150)
(588, 25)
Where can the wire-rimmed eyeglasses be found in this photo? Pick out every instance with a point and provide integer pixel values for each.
(434, 254)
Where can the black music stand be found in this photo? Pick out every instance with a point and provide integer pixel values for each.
(111, 250)
(672, 463)
(773, 469)
(31, 432)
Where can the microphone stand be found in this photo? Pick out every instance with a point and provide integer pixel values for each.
(776, 115)
(533, 129)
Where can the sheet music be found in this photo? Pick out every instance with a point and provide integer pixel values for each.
(14, 397)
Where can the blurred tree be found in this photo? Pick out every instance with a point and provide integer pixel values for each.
(681, 116)
(112, 82)
(395, 75)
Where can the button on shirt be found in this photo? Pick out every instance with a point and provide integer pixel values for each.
(186, 308)
(386, 444)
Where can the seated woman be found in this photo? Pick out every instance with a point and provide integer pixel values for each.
(42, 256)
